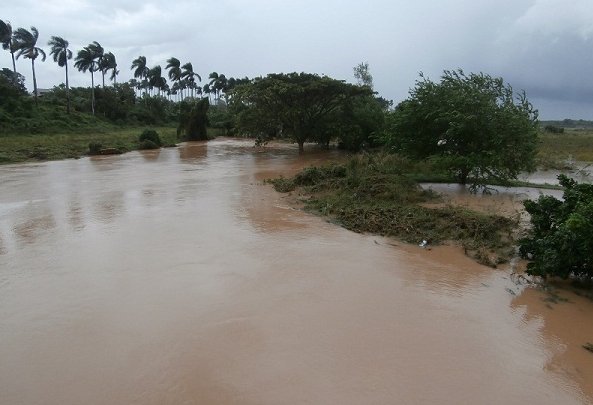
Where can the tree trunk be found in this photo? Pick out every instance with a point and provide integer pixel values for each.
(463, 175)
(34, 82)
(301, 147)
(103, 75)
(13, 65)
(67, 91)
(93, 92)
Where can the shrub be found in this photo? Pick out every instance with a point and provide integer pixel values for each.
(150, 138)
(560, 242)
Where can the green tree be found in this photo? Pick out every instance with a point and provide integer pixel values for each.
(189, 75)
(26, 43)
(362, 75)
(156, 80)
(99, 56)
(107, 63)
(8, 41)
(60, 52)
(218, 83)
(86, 60)
(560, 241)
(193, 119)
(174, 66)
(297, 105)
(474, 125)
(140, 70)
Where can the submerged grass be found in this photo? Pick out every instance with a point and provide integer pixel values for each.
(372, 193)
(21, 148)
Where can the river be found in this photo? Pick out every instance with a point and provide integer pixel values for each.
(178, 277)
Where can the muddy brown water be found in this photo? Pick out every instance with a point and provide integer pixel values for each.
(178, 277)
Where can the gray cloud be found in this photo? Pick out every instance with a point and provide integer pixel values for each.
(542, 46)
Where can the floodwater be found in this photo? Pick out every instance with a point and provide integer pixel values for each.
(178, 277)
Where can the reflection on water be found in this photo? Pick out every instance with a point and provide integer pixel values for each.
(182, 278)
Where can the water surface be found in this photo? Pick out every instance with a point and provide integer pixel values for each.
(178, 277)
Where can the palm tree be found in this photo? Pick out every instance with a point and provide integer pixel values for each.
(189, 74)
(61, 54)
(218, 84)
(155, 78)
(26, 42)
(140, 68)
(99, 55)
(8, 41)
(107, 63)
(87, 60)
(174, 67)
(207, 90)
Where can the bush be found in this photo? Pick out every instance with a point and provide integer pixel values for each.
(150, 139)
(554, 129)
(560, 242)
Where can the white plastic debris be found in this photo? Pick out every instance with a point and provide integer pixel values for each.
(424, 243)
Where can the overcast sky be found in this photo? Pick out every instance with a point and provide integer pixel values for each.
(542, 46)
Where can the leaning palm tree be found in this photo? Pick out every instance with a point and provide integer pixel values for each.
(107, 63)
(86, 60)
(8, 41)
(99, 55)
(140, 69)
(155, 79)
(61, 54)
(26, 43)
(189, 74)
(174, 67)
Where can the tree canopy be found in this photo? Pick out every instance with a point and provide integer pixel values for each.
(560, 241)
(474, 125)
(294, 105)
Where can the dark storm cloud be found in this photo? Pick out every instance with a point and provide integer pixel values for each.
(542, 46)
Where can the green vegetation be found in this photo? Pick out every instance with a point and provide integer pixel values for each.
(372, 193)
(193, 120)
(573, 144)
(473, 126)
(560, 241)
(307, 107)
(21, 148)
(149, 139)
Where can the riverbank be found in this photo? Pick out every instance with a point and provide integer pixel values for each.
(67, 145)
(374, 193)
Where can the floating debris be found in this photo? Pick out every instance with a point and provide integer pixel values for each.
(510, 291)
(588, 347)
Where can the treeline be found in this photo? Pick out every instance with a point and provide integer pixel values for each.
(567, 123)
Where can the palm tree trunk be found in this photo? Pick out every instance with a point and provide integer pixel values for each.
(93, 92)
(34, 82)
(67, 91)
(13, 64)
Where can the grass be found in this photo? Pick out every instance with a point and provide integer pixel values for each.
(21, 148)
(372, 193)
(556, 149)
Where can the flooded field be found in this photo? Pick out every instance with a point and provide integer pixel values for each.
(178, 277)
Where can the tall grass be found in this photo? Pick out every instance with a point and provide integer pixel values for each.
(575, 144)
